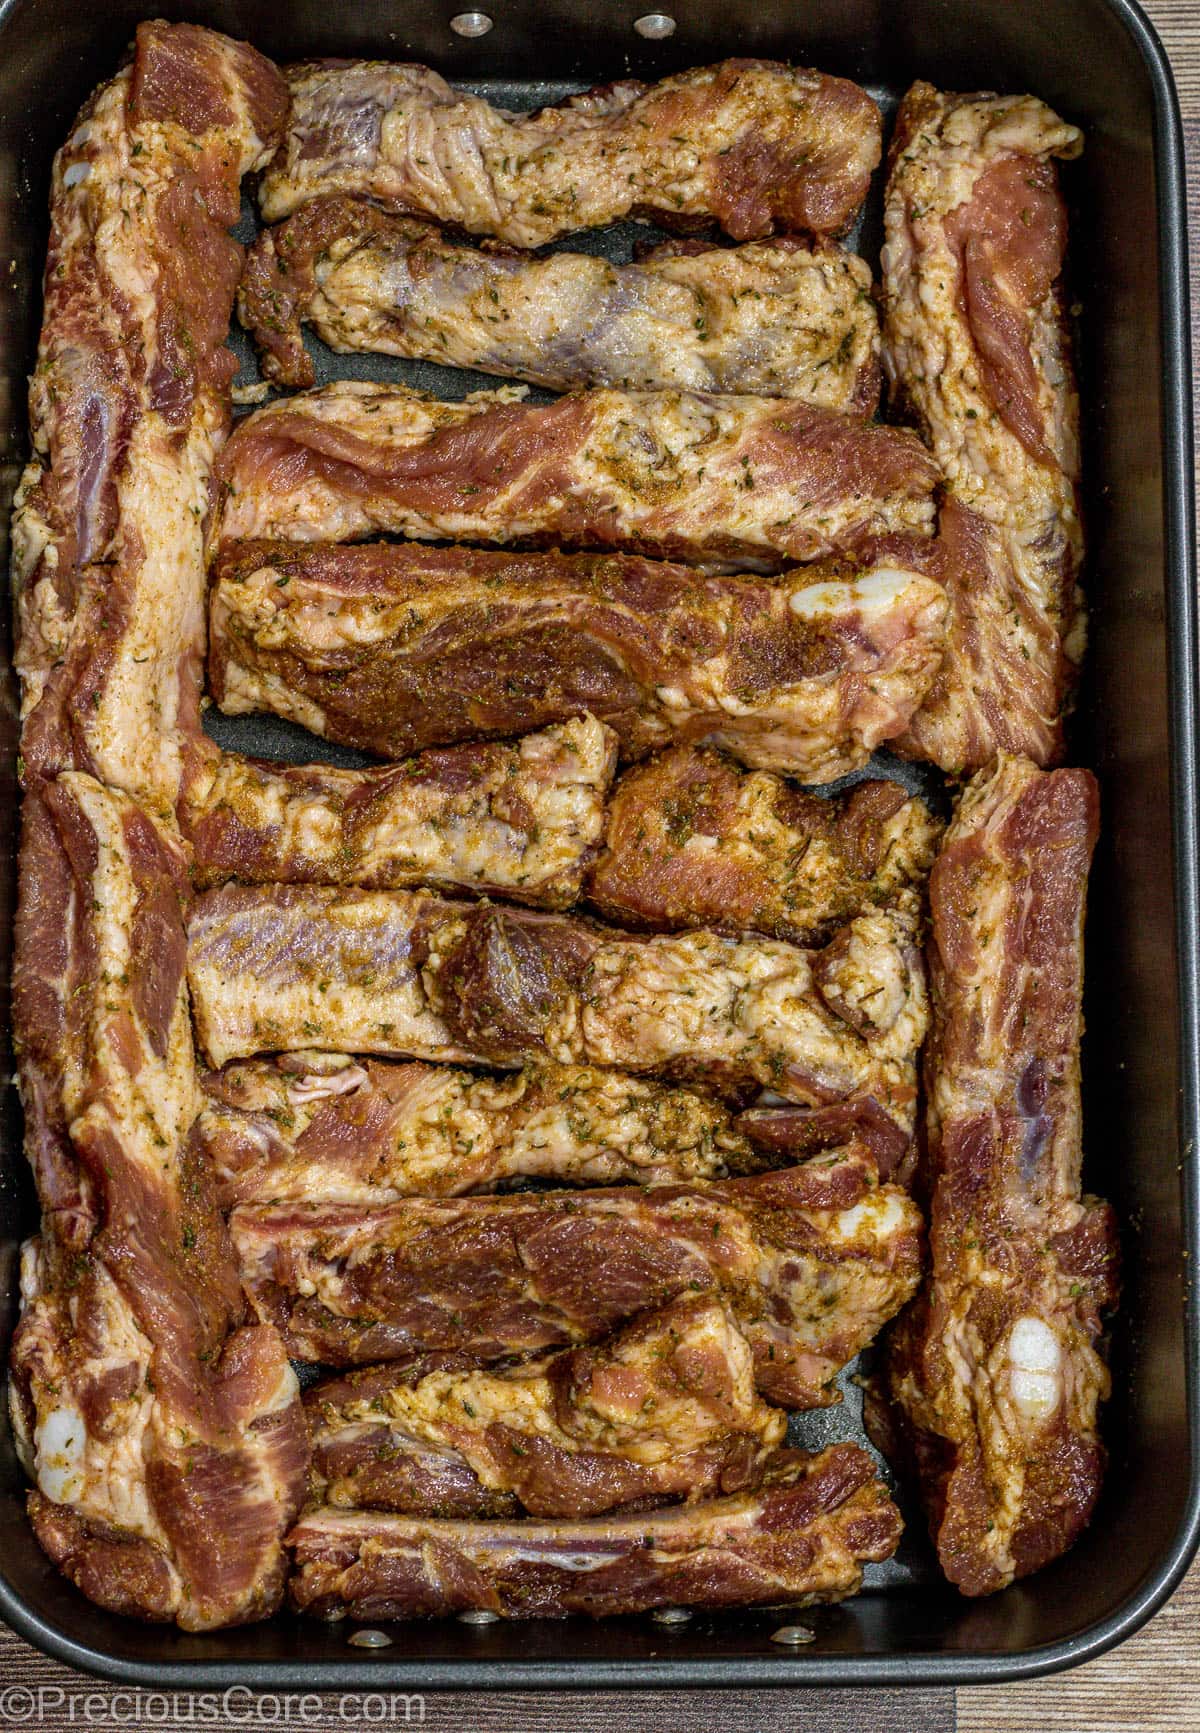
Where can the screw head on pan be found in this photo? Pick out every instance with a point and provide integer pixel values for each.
(655, 26)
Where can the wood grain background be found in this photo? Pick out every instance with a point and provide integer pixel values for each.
(1150, 1683)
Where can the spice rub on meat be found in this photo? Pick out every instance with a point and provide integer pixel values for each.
(752, 143)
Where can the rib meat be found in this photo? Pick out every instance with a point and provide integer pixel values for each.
(994, 1369)
(406, 974)
(976, 348)
(664, 1409)
(752, 143)
(521, 819)
(394, 648)
(782, 319)
(812, 1260)
(694, 841)
(164, 1433)
(803, 1536)
(749, 481)
(128, 402)
(325, 1127)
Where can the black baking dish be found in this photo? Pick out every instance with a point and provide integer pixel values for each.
(1100, 64)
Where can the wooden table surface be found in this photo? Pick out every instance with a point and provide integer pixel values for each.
(1152, 1682)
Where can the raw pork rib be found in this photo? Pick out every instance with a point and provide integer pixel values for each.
(664, 1409)
(812, 1260)
(521, 819)
(396, 648)
(781, 319)
(746, 481)
(164, 1435)
(975, 346)
(753, 143)
(803, 1536)
(128, 403)
(694, 841)
(994, 1369)
(326, 1126)
(407, 974)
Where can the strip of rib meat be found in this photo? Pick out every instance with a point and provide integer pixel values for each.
(395, 648)
(744, 481)
(803, 1536)
(752, 143)
(781, 318)
(163, 1431)
(813, 1261)
(995, 1370)
(517, 819)
(664, 1409)
(329, 1128)
(405, 974)
(128, 403)
(976, 349)
(692, 840)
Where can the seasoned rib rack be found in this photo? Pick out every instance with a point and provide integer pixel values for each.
(977, 351)
(812, 1261)
(663, 1409)
(803, 1536)
(395, 648)
(743, 481)
(779, 318)
(518, 819)
(750, 142)
(326, 1127)
(995, 1371)
(410, 975)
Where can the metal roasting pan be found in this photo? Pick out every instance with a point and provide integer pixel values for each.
(1100, 64)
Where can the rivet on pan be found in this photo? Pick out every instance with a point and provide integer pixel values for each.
(671, 1615)
(478, 1616)
(792, 1636)
(655, 26)
(370, 1639)
(470, 24)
